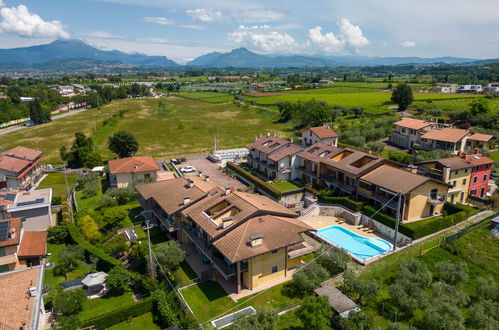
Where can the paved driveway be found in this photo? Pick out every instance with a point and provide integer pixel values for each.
(211, 169)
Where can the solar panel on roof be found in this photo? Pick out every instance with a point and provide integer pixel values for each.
(39, 200)
(4, 230)
(10, 197)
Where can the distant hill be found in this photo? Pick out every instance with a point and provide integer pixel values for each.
(77, 49)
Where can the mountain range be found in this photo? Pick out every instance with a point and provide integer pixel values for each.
(73, 51)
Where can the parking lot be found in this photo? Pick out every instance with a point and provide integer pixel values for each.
(211, 169)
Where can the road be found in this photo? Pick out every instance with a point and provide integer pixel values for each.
(54, 117)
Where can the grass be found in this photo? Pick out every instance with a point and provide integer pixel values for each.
(51, 278)
(144, 321)
(208, 299)
(187, 127)
(184, 274)
(285, 186)
(95, 307)
(57, 183)
(494, 155)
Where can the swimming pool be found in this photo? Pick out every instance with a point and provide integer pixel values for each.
(359, 246)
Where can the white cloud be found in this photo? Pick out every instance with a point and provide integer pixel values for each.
(408, 44)
(158, 20)
(352, 34)
(1, 3)
(260, 38)
(204, 14)
(102, 35)
(326, 42)
(258, 15)
(19, 21)
(193, 26)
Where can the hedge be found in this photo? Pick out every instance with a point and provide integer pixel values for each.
(386, 220)
(345, 201)
(106, 262)
(120, 315)
(255, 180)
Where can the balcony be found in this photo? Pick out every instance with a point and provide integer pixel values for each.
(217, 259)
(9, 259)
(391, 201)
(300, 250)
(339, 184)
(430, 172)
(437, 199)
(306, 171)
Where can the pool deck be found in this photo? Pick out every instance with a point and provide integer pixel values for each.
(319, 222)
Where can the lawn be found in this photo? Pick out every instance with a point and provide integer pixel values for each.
(52, 279)
(184, 274)
(186, 127)
(144, 321)
(57, 183)
(208, 299)
(285, 186)
(94, 307)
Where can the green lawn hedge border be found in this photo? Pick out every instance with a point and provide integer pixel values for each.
(106, 262)
(120, 315)
(255, 180)
(345, 201)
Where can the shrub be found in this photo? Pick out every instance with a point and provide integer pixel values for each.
(334, 260)
(57, 234)
(120, 315)
(345, 201)
(255, 180)
(315, 313)
(56, 200)
(452, 273)
(68, 302)
(309, 278)
(117, 280)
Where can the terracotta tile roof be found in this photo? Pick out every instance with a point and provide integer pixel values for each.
(413, 123)
(288, 150)
(446, 134)
(24, 153)
(348, 163)
(15, 225)
(477, 160)
(34, 243)
(267, 144)
(16, 305)
(277, 232)
(455, 163)
(319, 151)
(132, 164)
(323, 132)
(394, 179)
(12, 164)
(481, 137)
(169, 194)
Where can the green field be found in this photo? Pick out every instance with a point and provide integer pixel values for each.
(185, 127)
(57, 183)
(144, 322)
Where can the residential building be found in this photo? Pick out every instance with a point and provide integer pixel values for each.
(33, 206)
(451, 139)
(21, 302)
(478, 141)
(470, 89)
(325, 82)
(248, 239)
(259, 151)
(480, 174)
(446, 89)
(491, 88)
(319, 134)
(280, 164)
(20, 248)
(408, 131)
(400, 193)
(125, 172)
(20, 168)
(308, 162)
(455, 171)
(66, 90)
(163, 201)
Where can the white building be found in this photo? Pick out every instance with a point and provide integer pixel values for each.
(322, 134)
(470, 89)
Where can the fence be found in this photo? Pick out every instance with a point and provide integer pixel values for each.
(467, 229)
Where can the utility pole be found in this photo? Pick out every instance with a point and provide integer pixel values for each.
(399, 203)
(152, 271)
(68, 196)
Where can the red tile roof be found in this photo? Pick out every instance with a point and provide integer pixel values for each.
(34, 243)
(132, 164)
(12, 164)
(24, 153)
(284, 152)
(15, 226)
(268, 144)
(323, 132)
(477, 160)
(413, 123)
(481, 137)
(446, 134)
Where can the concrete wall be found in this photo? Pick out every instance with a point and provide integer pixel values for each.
(339, 211)
(260, 268)
(385, 230)
(418, 206)
(123, 180)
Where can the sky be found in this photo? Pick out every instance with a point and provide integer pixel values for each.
(185, 29)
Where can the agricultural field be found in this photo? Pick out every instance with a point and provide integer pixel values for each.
(181, 128)
(210, 97)
(452, 105)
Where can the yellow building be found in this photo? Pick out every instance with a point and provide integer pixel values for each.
(401, 192)
(455, 171)
(248, 239)
(127, 171)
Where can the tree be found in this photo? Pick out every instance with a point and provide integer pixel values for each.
(402, 95)
(170, 255)
(93, 159)
(487, 287)
(68, 322)
(77, 155)
(366, 289)
(123, 143)
(443, 315)
(479, 105)
(357, 111)
(449, 293)
(356, 321)
(68, 302)
(58, 234)
(91, 188)
(407, 295)
(37, 114)
(113, 216)
(309, 277)
(117, 280)
(88, 228)
(484, 314)
(165, 307)
(69, 257)
(334, 260)
(315, 313)
(376, 146)
(264, 319)
(452, 273)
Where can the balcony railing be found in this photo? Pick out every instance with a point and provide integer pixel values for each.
(300, 250)
(391, 201)
(310, 173)
(438, 199)
(8, 259)
(339, 184)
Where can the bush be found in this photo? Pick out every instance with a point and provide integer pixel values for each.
(255, 180)
(56, 200)
(105, 262)
(309, 278)
(345, 201)
(117, 280)
(334, 260)
(120, 315)
(58, 234)
(386, 220)
(451, 273)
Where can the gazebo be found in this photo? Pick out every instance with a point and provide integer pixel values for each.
(337, 300)
(95, 284)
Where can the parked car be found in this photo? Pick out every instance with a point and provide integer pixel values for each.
(188, 169)
(175, 161)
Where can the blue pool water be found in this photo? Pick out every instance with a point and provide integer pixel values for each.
(357, 245)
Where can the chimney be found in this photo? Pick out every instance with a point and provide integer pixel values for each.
(226, 222)
(190, 183)
(206, 178)
(12, 233)
(200, 173)
(256, 240)
(227, 190)
(187, 200)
